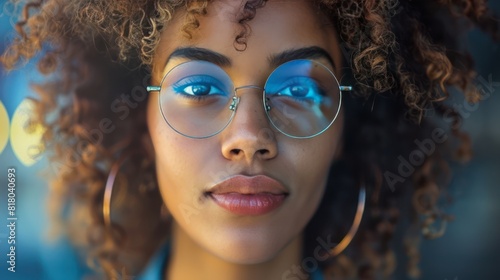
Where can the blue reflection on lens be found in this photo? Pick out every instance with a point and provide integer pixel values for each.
(199, 86)
(298, 88)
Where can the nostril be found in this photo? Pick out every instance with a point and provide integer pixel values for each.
(263, 151)
(235, 151)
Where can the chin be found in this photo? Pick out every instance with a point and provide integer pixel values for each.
(249, 257)
(248, 251)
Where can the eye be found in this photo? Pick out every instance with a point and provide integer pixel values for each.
(301, 88)
(199, 86)
(298, 90)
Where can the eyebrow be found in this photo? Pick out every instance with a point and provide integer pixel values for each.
(301, 53)
(194, 53)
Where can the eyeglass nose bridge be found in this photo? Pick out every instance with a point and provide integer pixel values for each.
(236, 99)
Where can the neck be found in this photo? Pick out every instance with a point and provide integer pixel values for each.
(190, 261)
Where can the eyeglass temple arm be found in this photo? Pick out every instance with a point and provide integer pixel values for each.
(342, 88)
(153, 88)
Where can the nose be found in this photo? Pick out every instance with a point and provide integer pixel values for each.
(249, 136)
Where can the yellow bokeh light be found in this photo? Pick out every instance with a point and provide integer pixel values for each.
(4, 127)
(25, 139)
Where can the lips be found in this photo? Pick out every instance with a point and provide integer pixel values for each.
(243, 195)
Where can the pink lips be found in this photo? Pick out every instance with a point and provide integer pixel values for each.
(243, 195)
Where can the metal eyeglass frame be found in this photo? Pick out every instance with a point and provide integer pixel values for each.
(235, 101)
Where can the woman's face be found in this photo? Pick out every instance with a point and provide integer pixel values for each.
(255, 155)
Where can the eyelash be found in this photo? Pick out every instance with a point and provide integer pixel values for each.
(298, 80)
(179, 86)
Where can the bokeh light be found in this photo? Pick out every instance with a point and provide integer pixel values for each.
(25, 138)
(4, 127)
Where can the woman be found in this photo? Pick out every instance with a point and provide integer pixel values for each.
(226, 137)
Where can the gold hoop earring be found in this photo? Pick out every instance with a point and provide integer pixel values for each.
(108, 191)
(354, 227)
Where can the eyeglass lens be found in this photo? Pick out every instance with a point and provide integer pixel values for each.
(301, 97)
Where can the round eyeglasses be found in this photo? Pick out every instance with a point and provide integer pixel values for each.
(301, 98)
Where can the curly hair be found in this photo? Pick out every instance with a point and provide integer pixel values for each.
(404, 56)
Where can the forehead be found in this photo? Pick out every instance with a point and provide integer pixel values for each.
(278, 26)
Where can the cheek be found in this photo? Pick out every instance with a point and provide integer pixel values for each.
(182, 164)
(312, 162)
(313, 157)
(313, 169)
(178, 159)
